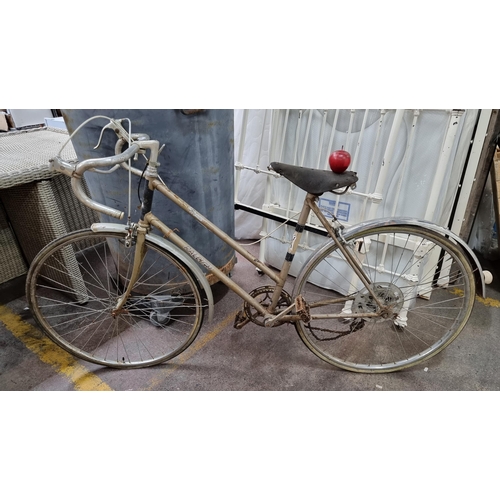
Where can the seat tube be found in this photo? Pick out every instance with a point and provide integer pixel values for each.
(299, 229)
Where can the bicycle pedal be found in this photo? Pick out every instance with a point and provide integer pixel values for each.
(302, 309)
(240, 320)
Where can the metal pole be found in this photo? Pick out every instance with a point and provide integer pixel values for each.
(444, 157)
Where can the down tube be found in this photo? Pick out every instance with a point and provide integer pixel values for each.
(177, 240)
(214, 229)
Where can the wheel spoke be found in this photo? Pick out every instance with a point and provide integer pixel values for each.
(423, 282)
(91, 327)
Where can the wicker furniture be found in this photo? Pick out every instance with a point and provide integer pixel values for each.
(12, 263)
(38, 203)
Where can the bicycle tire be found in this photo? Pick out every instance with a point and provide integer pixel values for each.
(424, 279)
(73, 286)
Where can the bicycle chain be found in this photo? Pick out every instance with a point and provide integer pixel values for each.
(356, 324)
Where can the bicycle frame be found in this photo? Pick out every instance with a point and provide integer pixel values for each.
(149, 219)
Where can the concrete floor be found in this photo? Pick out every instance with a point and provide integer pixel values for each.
(251, 359)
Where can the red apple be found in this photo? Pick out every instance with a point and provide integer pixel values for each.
(339, 161)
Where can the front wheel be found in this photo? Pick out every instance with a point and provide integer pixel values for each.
(421, 295)
(73, 289)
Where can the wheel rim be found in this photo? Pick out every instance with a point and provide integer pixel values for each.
(426, 283)
(74, 288)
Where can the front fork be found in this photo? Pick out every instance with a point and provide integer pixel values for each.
(139, 239)
(137, 235)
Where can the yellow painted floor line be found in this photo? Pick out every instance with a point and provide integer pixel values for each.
(487, 301)
(62, 362)
(193, 349)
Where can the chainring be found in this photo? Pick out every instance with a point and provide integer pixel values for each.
(267, 293)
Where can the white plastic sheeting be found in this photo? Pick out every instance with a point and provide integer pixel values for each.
(252, 130)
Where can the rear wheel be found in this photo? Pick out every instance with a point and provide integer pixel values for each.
(425, 286)
(73, 288)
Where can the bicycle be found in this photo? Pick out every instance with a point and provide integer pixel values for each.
(378, 297)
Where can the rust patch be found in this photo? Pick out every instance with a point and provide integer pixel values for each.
(226, 269)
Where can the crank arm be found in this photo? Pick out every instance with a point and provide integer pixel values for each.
(270, 322)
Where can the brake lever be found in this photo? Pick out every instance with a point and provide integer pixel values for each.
(117, 128)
